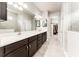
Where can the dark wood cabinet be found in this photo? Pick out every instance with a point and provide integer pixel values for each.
(44, 36)
(1, 51)
(0, 10)
(20, 52)
(14, 46)
(17, 49)
(24, 48)
(32, 48)
(40, 36)
(39, 40)
(39, 43)
(32, 38)
(3, 10)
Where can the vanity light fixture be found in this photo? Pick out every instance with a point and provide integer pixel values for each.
(18, 7)
(38, 16)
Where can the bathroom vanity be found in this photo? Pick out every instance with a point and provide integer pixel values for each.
(25, 46)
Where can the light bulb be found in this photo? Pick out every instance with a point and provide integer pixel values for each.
(25, 6)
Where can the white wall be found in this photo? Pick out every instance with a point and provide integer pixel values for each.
(64, 24)
(68, 25)
(75, 22)
(73, 44)
(75, 17)
(73, 33)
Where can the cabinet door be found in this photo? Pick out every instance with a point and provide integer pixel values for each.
(32, 38)
(44, 37)
(40, 40)
(3, 10)
(12, 47)
(40, 36)
(20, 52)
(1, 51)
(0, 10)
(32, 48)
(39, 43)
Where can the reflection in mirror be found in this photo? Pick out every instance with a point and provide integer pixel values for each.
(21, 17)
(44, 23)
(37, 23)
(11, 23)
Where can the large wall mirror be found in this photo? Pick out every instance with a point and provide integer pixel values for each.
(20, 18)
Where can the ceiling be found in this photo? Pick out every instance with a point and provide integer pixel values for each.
(39, 7)
(48, 6)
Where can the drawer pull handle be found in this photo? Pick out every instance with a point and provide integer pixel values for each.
(30, 46)
(27, 47)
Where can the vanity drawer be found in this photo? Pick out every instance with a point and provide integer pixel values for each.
(39, 44)
(14, 46)
(32, 38)
(44, 36)
(21, 52)
(40, 36)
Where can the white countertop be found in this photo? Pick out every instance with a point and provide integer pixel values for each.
(8, 38)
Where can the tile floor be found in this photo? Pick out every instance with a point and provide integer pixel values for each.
(51, 48)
